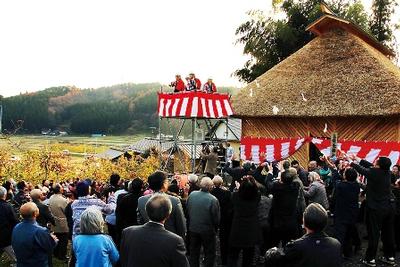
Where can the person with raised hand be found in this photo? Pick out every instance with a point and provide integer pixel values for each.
(380, 207)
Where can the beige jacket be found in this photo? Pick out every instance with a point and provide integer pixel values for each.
(57, 204)
(212, 162)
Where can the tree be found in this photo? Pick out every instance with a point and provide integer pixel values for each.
(380, 23)
(268, 41)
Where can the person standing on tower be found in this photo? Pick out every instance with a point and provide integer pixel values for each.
(209, 87)
(178, 84)
(193, 84)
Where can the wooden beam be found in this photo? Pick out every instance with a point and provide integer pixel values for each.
(398, 129)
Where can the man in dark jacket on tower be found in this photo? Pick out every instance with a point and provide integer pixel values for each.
(380, 210)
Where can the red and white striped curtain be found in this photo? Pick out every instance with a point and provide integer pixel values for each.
(260, 149)
(194, 105)
(368, 150)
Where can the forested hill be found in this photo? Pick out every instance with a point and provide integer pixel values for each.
(124, 108)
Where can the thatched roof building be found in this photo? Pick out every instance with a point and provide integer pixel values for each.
(338, 73)
(343, 78)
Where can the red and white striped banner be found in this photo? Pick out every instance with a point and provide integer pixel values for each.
(368, 150)
(260, 149)
(194, 105)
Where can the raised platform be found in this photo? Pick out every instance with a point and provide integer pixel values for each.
(194, 105)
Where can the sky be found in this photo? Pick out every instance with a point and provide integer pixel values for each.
(94, 43)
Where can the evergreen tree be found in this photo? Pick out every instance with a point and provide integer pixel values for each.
(380, 24)
(268, 41)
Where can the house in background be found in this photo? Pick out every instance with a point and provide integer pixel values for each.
(179, 158)
(114, 154)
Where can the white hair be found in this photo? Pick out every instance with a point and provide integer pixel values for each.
(92, 221)
(313, 176)
(3, 193)
(206, 184)
(193, 178)
(217, 180)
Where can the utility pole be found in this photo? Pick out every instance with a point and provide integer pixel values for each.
(1, 118)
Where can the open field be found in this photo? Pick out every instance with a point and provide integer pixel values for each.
(76, 145)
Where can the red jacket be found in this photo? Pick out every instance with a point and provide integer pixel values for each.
(198, 83)
(209, 88)
(179, 85)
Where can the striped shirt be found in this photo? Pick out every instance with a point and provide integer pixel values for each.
(82, 203)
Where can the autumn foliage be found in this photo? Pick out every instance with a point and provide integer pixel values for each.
(35, 166)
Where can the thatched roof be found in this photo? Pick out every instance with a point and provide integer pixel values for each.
(339, 73)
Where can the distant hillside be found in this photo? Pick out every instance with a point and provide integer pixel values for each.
(124, 108)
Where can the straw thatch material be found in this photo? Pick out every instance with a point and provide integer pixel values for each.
(337, 73)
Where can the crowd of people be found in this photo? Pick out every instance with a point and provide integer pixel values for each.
(273, 214)
(192, 84)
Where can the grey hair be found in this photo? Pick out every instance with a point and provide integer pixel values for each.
(314, 176)
(3, 192)
(35, 194)
(158, 207)
(206, 184)
(92, 221)
(217, 180)
(193, 178)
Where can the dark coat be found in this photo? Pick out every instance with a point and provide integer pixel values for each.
(126, 210)
(20, 198)
(70, 221)
(8, 219)
(193, 187)
(284, 212)
(45, 215)
(345, 199)
(303, 176)
(378, 191)
(396, 193)
(175, 223)
(246, 230)
(225, 204)
(152, 245)
(236, 173)
(312, 250)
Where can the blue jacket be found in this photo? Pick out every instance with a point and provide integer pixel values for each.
(95, 251)
(32, 244)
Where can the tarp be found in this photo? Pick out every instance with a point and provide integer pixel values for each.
(194, 105)
(260, 149)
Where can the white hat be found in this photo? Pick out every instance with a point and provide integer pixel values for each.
(193, 178)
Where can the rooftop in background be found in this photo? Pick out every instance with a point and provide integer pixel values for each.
(148, 143)
(330, 20)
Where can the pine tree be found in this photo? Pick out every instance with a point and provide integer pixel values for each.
(380, 22)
